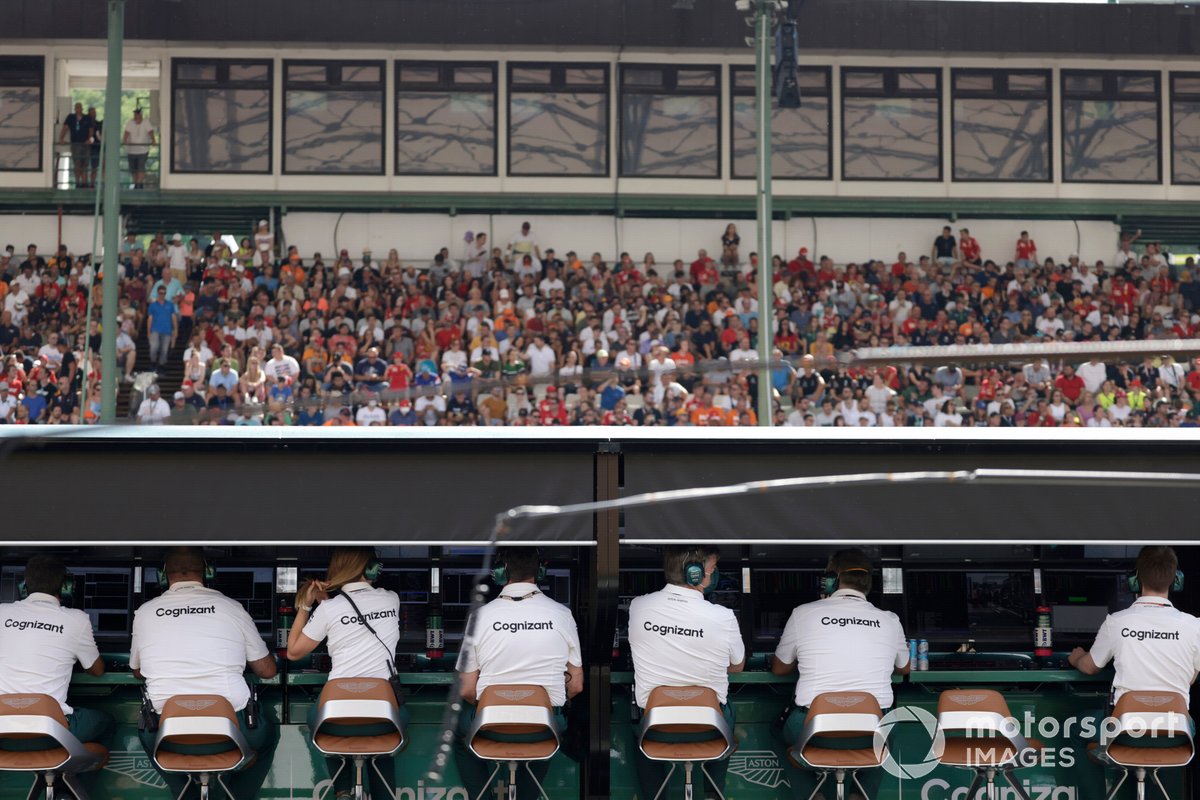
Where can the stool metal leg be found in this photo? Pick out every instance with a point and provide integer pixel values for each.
(512, 780)
(817, 789)
(49, 786)
(386, 782)
(1140, 774)
(1117, 788)
(1158, 782)
(72, 783)
(857, 785)
(224, 788)
(488, 783)
(358, 779)
(663, 788)
(991, 785)
(38, 789)
(839, 775)
(203, 786)
(541, 791)
(978, 779)
(1016, 786)
(711, 782)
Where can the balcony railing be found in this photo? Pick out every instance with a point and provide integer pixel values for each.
(71, 172)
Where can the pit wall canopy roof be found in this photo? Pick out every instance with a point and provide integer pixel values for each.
(828, 25)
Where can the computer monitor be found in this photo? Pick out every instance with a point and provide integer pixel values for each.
(1079, 600)
(984, 605)
(105, 594)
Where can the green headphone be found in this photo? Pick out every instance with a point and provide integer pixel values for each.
(373, 569)
(210, 572)
(693, 575)
(1135, 583)
(66, 592)
(828, 583)
(500, 574)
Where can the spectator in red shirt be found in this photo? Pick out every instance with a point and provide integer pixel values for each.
(1026, 252)
(968, 248)
(1070, 384)
(704, 272)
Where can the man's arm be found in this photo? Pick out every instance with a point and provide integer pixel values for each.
(97, 668)
(781, 667)
(264, 667)
(470, 685)
(125, 137)
(574, 680)
(62, 134)
(1082, 660)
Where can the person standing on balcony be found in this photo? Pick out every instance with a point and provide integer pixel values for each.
(78, 127)
(94, 150)
(139, 134)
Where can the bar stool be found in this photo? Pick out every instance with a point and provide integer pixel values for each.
(981, 736)
(198, 735)
(358, 721)
(1138, 719)
(692, 711)
(511, 711)
(839, 715)
(26, 717)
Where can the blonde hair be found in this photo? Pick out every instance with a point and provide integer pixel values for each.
(347, 565)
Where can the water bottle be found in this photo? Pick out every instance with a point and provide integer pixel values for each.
(923, 655)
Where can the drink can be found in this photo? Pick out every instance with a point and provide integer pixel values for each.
(923, 655)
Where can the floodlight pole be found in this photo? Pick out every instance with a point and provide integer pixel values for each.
(112, 214)
(763, 13)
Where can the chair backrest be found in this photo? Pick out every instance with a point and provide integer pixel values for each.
(842, 715)
(358, 701)
(1140, 718)
(976, 712)
(205, 721)
(688, 710)
(514, 722)
(39, 716)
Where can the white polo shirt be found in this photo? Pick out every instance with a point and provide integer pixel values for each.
(843, 644)
(354, 651)
(1154, 647)
(527, 640)
(680, 639)
(193, 640)
(40, 641)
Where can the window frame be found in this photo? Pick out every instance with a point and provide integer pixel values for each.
(669, 86)
(39, 64)
(736, 91)
(1109, 92)
(1171, 96)
(222, 82)
(445, 83)
(330, 66)
(558, 83)
(1003, 93)
(891, 90)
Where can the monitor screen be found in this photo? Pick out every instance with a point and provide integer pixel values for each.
(104, 593)
(982, 605)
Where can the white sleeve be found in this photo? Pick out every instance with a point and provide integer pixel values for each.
(901, 644)
(317, 627)
(574, 653)
(1104, 648)
(256, 648)
(789, 644)
(85, 648)
(737, 648)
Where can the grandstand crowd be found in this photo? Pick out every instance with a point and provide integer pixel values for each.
(522, 334)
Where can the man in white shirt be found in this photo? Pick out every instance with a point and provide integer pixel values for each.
(541, 358)
(521, 637)
(1153, 646)
(281, 365)
(841, 643)
(139, 134)
(153, 410)
(177, 258)
(40, 641)
(678, 638)
(195, 640)
(523, 244)
(1093, 374)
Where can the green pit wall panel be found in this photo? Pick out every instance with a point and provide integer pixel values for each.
(757, 770)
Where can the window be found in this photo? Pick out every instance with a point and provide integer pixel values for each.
(221, 116)
(21, 113)
(1001, 123)
(558, 119)
(800, 138)
(1185, 127)
(333, 117)
(445, 118)
(891, 124)
(670, 121)
(1110, 127)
